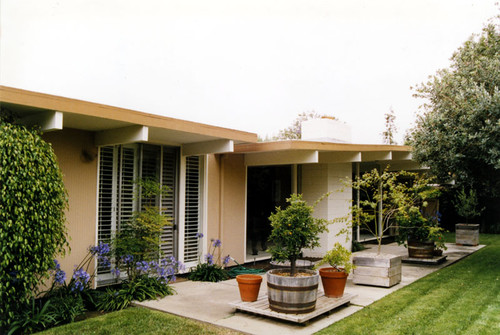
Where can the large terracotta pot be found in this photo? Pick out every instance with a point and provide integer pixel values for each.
(249, 285)
(333, 282)
(293, 295)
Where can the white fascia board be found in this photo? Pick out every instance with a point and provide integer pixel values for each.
(339, 157)
(132, 134)
(401, 156)
(47, 120)
(209, 147)
(282, 158)
(373, 156)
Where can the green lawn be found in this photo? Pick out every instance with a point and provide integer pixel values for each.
(137, 320)
(461, 299)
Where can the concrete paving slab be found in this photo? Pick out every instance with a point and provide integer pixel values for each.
(209, 302)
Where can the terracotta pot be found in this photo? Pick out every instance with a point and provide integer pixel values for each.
(333, 282)
(249, 286)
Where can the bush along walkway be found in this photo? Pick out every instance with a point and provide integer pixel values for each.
(461, 299)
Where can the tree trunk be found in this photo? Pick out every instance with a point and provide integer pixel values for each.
(293, 266)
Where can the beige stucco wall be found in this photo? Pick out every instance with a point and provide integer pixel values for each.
(317, 180)
(226, 212)
(80, 180)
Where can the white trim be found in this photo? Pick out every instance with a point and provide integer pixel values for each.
(203, 148)
(282, 157)
(47, 120)
(131, 134)
(204, 202)
(182, 206)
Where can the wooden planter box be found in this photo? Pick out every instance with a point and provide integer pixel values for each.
(377, 270)
(467, 234)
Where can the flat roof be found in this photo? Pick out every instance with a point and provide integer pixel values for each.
(318, 146)
(92, 116)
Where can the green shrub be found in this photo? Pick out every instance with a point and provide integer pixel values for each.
(211, 270)
(32, 219)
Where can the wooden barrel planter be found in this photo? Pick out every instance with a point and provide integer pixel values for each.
(420, 249)
(292, 295)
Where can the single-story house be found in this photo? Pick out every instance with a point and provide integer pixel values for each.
(223, 182)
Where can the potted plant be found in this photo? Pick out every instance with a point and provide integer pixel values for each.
(249, 286)
(384, 199)
(466, 206)
(293, 228)
(334, 278)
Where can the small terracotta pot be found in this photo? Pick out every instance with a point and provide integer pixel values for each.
(333, 282)
(249, 286)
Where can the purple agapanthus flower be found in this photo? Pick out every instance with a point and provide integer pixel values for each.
(100, 250)
(104, 261)
(81, 278)
(115, 272)
(59, 275)
(199, 235)
(142, 266)
(226, 259)
(217, 243)
(127, 259)
(210, 259)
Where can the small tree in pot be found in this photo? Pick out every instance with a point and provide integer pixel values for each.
(293, 229)
(334, 278)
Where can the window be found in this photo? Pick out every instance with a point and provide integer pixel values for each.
(119, 167)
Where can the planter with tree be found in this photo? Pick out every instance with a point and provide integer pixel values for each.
(334, 278)
(293, 228)
(466, 205)
(384, 200)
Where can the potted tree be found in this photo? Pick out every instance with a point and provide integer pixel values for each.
(334, 278)
(466, 206)
(293, 228)
(384, 200)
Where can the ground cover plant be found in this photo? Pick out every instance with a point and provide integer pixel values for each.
(137, 320)
(463, 298)
(211, 269)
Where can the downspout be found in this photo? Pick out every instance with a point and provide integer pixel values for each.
(221, 197)
(358, 202)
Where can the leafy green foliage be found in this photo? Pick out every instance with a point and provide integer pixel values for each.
(390, 198)
(458, 133)
(140, 237)
(32, 216)
(140, 289)
(211, 270)
(339, 258)
(293, 229)
(466, 205)
(33, 317)
(208, 272)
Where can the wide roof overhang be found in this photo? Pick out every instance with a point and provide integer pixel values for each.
(309, 152)
(114, 125)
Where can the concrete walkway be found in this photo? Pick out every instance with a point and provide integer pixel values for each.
(209, 302)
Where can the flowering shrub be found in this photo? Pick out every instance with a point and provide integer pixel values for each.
(213, 268)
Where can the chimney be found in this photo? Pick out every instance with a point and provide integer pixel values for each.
(326, 129)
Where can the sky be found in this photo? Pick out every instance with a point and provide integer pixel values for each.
(250, 65)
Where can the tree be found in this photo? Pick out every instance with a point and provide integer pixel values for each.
(33, 201)
(458, 133)
(294, 131)
(390, 128)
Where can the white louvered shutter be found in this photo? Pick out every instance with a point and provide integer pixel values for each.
(193, 208)
(168, 203)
